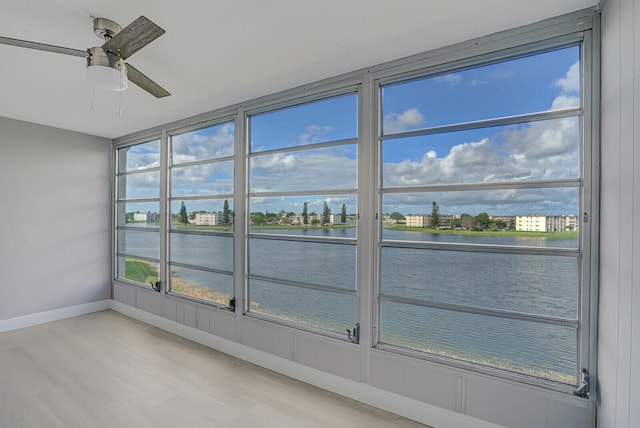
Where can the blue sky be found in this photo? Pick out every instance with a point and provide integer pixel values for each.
(528, 151)
(327, 120)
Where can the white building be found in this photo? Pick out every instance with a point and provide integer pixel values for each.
(417, 220)
(210, 219)
(146, 216)
(546, 223)
(335, 219)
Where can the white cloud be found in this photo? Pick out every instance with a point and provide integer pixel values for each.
(279, 162)
(201, 180)
(451, 78)
(565, 101)
(538, 151)
(314, 134)
(570, 83)
(317, 169)
(398, 122)
(191, 147)
(142, 161)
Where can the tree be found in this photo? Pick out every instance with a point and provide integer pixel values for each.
(499, 225)
(257, 218)
(270, 217)
(434, 221)
(343, 214)
(183, 217)
(305, 215)
(483, 220)
(226, 213)
(397, 217)
(467, 221)
(326, 214)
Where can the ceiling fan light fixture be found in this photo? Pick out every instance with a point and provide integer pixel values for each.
(106, 71)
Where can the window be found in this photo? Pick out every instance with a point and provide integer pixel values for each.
(302, 203)
(138, 213)
(466, 158)
(441, 203)
(201, 213)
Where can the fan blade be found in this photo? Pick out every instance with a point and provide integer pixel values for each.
(43, 47)
(136, 76)
(133, 37)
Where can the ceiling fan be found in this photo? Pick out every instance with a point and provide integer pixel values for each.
(105, 64)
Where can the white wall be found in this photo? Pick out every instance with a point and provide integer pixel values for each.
(54, 218)
(619, 319)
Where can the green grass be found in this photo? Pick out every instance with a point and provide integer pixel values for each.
(302, 226)
(140, 271)
(192, 226)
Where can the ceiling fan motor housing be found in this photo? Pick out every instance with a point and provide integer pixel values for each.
(105, 28)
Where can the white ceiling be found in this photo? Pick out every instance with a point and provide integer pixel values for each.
(216, 53)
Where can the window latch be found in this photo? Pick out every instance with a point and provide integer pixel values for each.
(354, 336)
(583, 391)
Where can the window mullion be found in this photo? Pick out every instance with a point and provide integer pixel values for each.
(164, 216)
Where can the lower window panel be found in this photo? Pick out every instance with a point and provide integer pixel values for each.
(535, 349)
(310, 307)
(202, 284)
(136, 270)
(320, 263)
(533, 284)
(211, 251)
(141, 243)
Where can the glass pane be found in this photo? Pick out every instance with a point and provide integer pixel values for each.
(138, 214)
(533, 284)
(139, 186)
(316, 169)
(316, 122)
(544, 150)
(307, 262)
(314, 308)
(305, 215)
(139, 243)
(202, 214)
(208, 143)
(136, 270)
(199, 180)
(534, 349)
(485, 216)
(215, 252)
(536, 83)
(212, 286)
(140, 156)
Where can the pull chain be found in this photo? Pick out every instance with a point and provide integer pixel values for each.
(122, 75)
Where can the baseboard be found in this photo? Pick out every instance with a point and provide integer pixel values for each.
(53, 315)
(394, 403)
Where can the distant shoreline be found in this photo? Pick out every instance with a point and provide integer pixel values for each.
(483, 232)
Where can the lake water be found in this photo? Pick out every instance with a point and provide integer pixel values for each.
(534, 284)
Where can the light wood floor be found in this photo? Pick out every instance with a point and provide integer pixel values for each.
(106, 370)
